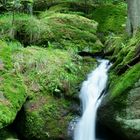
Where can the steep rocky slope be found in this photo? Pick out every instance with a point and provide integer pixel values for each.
(120, 108)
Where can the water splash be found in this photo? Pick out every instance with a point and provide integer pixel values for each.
(90, 92)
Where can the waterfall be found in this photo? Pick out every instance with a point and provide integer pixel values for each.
(90, 96)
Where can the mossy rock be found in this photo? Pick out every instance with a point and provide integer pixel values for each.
(121, 114)
(51, 71)
(53, 79)
(45, 118)
(63, 31)
(123, 51)
(12, 89)
(125, 82)
(111, 18)
(119, 110)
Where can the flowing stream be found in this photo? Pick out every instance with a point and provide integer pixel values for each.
(91, 96)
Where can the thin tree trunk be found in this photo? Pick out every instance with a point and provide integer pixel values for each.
(12, 32)
(133, 20)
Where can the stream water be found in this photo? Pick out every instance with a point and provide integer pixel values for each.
(91, 96)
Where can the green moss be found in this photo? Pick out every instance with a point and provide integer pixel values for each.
(65, 31)
(68, 34)
(52, 70)
(5, 55)
(114, 44)
(126, 81)
(53, 78)
(6, 23)
(12, 92)
(124, 52)
(45, 118)
(110, 17)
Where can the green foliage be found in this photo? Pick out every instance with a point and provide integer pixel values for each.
(108, 1)
(10, 5)
(6, 24)
(72, 7)
(65, 31)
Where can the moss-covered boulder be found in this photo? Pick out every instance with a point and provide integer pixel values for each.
(53, 78)
(64, 31)
(111, 19)
(12, 89)
(120, 108)
(123, 51)
(110, 16)
(69, 31)
(45, 117)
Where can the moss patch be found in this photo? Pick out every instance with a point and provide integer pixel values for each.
(126, 81)
(12, 92)
(48, 120)
(50, 70)
(123, 51)
(111, 18)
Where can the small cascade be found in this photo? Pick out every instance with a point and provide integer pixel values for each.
(91, 96)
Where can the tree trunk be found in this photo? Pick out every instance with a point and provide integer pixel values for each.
(133, 20)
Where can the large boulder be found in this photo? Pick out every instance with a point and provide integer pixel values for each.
(120, 111)
(111, 17)
(64, 31)
(12, 89)
(53, 78)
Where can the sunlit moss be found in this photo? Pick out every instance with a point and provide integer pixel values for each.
(125, 82)
(53, 78)
(12, 89)
(111, 18)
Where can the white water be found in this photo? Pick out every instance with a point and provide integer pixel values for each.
(90, 92)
